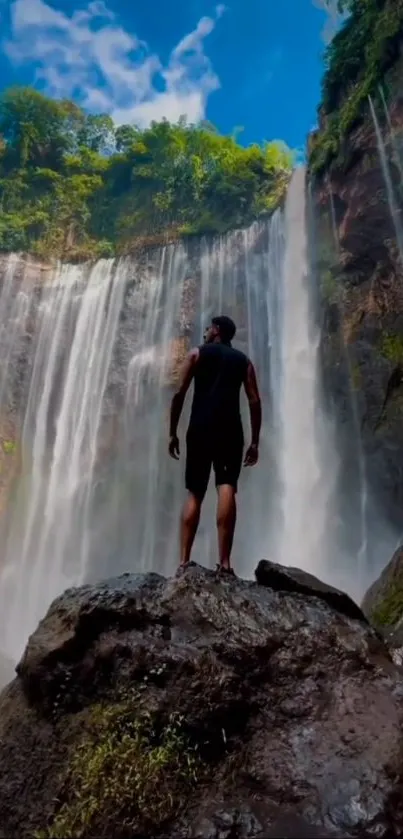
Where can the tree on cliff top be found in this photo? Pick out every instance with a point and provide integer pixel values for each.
(74, 184)
(356, 61)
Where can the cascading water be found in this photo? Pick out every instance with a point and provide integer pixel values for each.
(97, 349)
(47, 547)
(307, 484)
(392, 134)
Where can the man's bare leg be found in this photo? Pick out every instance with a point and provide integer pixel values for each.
(189, 523)
(226, 520)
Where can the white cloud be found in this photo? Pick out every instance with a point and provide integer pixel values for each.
(333, 20)
(88, 56)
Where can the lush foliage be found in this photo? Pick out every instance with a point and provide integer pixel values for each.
(357, 60)
(391, 347)
(388, 610)
(74, 184)
(124, 774)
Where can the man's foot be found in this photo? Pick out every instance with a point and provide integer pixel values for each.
(183, 567)
(225, 571)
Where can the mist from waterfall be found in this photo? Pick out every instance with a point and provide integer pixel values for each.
(89, 360)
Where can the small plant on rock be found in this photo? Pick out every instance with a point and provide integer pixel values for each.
(329, 287)
(392, 348)
(126, 778)
(389, 610)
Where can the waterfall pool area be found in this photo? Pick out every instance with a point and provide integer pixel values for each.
(88, 363)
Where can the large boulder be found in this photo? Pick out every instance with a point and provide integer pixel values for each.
(284, 578)
(202, 707)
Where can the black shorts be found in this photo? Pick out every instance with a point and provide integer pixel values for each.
(224, 454)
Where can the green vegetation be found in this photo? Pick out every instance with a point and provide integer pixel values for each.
(75, 185)
(9, 446)
(389, 610)
(355, 376)
(391, 347)
(329, 287)
(357, 59)
(125, 777)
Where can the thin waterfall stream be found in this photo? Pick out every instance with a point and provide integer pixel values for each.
(393, 205)
(396, 151)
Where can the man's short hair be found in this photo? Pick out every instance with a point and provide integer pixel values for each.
(226, 327)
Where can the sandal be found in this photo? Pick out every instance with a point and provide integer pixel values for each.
(226, 572)
(183, 567)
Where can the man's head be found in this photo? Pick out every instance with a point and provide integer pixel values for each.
(222, 329)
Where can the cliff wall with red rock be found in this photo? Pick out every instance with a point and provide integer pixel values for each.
(358, 272)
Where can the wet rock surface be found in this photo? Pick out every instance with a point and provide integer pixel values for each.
(294, 707)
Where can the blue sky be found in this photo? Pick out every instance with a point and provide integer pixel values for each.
(250, 63)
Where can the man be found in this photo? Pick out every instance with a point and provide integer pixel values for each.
(215, 434)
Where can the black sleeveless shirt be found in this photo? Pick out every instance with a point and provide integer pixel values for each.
(219, 373)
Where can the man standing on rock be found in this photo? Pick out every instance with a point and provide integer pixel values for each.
(215, 434)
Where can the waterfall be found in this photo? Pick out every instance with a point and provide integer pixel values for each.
(393, 205)
(47, 545)
(392, 134)
(308, 482)
(89, 360)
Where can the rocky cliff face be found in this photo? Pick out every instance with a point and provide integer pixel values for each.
(203, 708)
(383, 605)
(359, 270)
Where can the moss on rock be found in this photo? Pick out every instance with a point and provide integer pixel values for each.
(329, 287)
(389, 610)
(383, 602)
(127, 777)
(356, 376)
(391, 347)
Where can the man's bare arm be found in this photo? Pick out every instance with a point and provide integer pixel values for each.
(255, 408)
(178, 400)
